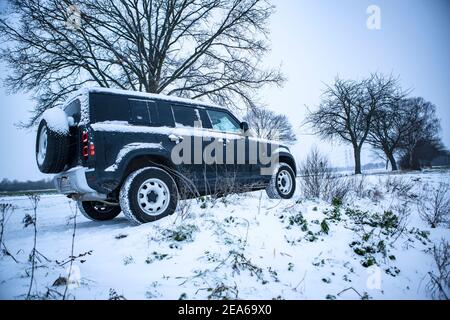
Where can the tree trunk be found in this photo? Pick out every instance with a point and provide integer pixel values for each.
(392, 161)
(357, 155)
(411, 162)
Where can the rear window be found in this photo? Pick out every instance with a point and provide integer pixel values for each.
(186, 116)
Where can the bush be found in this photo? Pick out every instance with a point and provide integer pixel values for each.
(324, 227)
(337, 189)
(397, 185)
(319, 181)
(439, 284)
(359, 186)
(435, 209)
(336, 202)
(182, 233)
(315, 173)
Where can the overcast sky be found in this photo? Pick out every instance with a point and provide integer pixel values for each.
(313, 40)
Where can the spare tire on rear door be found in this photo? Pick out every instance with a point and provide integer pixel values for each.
(52, 141)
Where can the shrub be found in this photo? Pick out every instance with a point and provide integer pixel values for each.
(439, 284)
(435, 209)
(319, 181)
(181, 233)
(397, 185)
(359, 186)
(299, 221)
(316, 173)
(336, 202)
(324, 227)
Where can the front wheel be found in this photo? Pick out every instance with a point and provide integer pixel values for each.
(282, 183)
(148, 194)
(98, 211)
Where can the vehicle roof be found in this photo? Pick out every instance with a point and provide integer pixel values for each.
(139, 94)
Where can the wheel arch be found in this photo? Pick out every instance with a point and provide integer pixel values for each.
(142, 160)
(289, 159)
(138, 159)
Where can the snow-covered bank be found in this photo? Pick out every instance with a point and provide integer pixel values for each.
(245, 247)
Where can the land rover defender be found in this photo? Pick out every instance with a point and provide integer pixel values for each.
(118, 151)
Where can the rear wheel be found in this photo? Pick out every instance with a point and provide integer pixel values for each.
(148, 195)
(98, 211)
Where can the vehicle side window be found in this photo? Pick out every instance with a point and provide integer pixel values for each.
(222, 121)
(206, 123)
(109, 107)
(186, 116)
(74, 110)
(143, 112)
(165, 115)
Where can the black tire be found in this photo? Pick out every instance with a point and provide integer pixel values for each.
(57, 150)
(98, 211)
(273, 189)
(166, 195)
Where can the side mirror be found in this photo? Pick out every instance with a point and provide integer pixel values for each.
(244, 126)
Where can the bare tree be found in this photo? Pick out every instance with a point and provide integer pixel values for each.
(348, 109)
(422, 128)
(404, 125)
(387, 132)
(425, 151)
(338, 115)
(269, 125)
(188, 48)
(344, 114)
(390, 122)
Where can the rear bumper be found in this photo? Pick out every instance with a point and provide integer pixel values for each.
(74, 182)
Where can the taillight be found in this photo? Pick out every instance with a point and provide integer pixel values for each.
(85, 151)
(85, 137)
(88, 149)
(92, 149)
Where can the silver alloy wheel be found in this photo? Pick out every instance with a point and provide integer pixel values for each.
(153, 197)
(284, 182)
(42, 149)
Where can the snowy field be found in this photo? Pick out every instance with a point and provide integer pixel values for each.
(373, 246)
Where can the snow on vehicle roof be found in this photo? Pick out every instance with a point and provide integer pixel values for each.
(143, 95)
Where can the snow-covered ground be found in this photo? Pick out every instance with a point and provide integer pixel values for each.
(245, 247)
